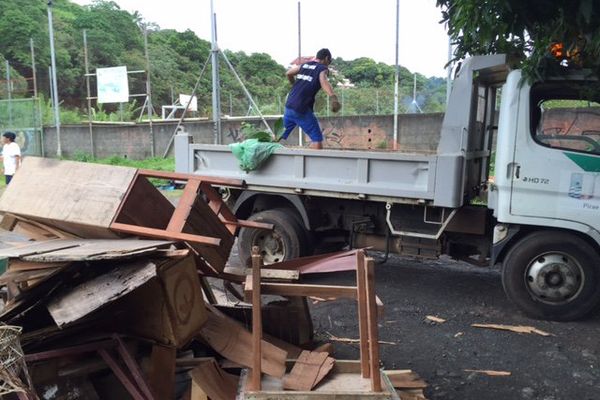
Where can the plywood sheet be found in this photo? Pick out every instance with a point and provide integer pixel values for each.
(91, 295)
(68, 193)
(60, 250)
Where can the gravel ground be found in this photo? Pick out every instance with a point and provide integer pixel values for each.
(565, 365)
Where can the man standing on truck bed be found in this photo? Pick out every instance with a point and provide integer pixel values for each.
(307, 78)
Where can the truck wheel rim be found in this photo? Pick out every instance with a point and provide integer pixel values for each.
(272, 247)
(554, 278)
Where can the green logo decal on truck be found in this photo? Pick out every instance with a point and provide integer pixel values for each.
(586, 162)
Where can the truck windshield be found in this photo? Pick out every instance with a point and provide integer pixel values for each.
(566, 115)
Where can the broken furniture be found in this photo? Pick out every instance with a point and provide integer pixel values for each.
(347, 379)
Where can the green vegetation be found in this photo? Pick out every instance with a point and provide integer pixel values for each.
(116, 37)
(157, 163)
(544, 37)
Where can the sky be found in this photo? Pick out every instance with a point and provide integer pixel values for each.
(349, 28)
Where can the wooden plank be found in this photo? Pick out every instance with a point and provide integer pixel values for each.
(20, 266)
(289, 289)
(121, 375)
(307, 370)
(134, 368)
(372, 323)
(214, 382)
(34, 228)
(265, 273)
(161, 374)
(78, 195)
(98, 292)
(228, 338)
(362, 314)
(97, 249)
(405, 379)
(176, 176)
(186, 202)
(241, 223)
(163, 234)
(30, 248)
(256, 321)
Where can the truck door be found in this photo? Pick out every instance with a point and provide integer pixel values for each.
(556, 169)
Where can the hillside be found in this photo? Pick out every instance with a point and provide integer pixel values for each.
(115, 37)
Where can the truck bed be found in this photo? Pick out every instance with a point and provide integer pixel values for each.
(388, 176)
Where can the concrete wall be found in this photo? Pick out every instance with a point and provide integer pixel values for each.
(417, 132)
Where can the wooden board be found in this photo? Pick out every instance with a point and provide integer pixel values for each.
(343, 383)
(310, 368)
(101, 249)
(88, 297)
(214, 382)
(265, 273)
(63, 250)
(289, 289)
(80, 198)
(234, 342)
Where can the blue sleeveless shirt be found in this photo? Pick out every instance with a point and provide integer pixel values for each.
(302, 96)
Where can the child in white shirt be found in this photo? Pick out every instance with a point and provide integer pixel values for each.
(11, 155)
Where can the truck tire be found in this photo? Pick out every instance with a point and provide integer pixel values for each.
(553, 275)
(287, 241)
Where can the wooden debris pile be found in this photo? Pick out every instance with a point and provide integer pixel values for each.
(109, 282)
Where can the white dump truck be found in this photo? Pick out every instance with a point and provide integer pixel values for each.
(538, 213)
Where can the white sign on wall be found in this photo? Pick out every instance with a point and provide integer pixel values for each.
(113, 85)
(184, 99)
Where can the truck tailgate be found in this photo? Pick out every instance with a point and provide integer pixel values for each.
(347, 173)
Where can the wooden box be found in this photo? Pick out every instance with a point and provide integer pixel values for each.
(168, 309)
(104, 201)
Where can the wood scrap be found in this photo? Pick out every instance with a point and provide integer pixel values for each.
(215, 383)
(414, 394)
(307, 370)
(230, 339)
(405, 379)
(353, 341)
(489, 372)
(265, 273)
(324, 348)
(513, 328)
(99, 292)
(435, 319)
(68, 250)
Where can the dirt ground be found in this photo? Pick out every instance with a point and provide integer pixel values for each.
(563, 366)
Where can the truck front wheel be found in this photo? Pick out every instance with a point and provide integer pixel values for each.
(553, 275)
(288, 239)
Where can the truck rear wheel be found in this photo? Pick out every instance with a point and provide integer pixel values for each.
(553, 275)
(287, 241)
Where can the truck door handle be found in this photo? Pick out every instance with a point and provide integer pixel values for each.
(513, 170)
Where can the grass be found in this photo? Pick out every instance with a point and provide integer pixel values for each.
(156, 163)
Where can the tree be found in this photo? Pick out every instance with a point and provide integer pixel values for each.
(543, 36)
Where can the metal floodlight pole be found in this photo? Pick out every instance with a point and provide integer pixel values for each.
(89, 95)
(9, 92)
(449, 71)
(396, 77)
(54, 80)
(300, 133)
(216, 92)
(149, 93)
(38, 106)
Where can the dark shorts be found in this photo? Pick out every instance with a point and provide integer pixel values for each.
(7, 178)
(307, 121)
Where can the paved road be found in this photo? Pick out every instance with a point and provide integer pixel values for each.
(563, 366)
